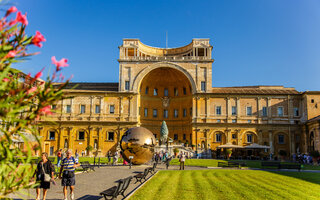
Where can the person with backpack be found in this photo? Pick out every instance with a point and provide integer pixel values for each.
(182, 160)
(67, 169)
(45, 175)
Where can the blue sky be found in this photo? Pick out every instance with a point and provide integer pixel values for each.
(255, 42)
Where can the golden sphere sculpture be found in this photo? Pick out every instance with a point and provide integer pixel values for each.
(138, 143)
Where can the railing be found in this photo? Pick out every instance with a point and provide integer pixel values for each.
(165, 58)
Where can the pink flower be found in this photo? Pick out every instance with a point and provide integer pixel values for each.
(37, 39)
(39, 74)
(61, 63)
(46, 110)
(32, 90)
(5, 80)
(19, 18)
(11, 10)
(11, 54)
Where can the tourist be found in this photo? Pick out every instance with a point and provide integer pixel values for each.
(59, 154)
(109, 157)
(82, 153)
(182, 160)
(115, 158)
(45, 174)
(76, 155)
(168, 162)
(67, 169)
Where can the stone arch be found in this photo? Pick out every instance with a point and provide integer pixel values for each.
(244, 134)
(223, 136)
(138, 79)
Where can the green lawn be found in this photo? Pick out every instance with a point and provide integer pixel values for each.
(214, 163)
(230, 184)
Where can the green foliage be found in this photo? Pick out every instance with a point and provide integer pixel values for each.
(164, 131)
(24, 100)
(89, 148)
(176, 150)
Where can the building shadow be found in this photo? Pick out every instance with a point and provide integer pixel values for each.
(89, 197)
(312, 177)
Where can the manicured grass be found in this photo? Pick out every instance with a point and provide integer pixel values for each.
(230, 184)
(214, 163)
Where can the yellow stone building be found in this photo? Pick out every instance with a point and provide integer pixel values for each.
(175, 85)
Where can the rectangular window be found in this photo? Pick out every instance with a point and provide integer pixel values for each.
(234, 110)
(234, 121)
(296, 112)
(127, 85)
(175, 91)
(82, 109)
(97, 109)
(166, 92)
(155, 92)
(155, 113)
(280, 111)
(281, 139)
(249, 138)
(184, 112)
(110, 136)
(218, 120)
(175, 113)
(147, 90)
(184, 136)
(203, 86)
(146, 112)
(175, 136)
(218, 137)
(111, 109)
(52, 135)
(249, 121)
(185, 91)
(234, 136)
(81, 135)
(249, 111)
(68, 109)
(218, 110)
(165, 113)
(264, 111)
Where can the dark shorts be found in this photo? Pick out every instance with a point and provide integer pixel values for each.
(65, 181)
(42, 184)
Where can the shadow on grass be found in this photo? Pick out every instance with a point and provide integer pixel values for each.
(312, 177)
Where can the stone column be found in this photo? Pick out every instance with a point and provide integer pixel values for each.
(100, 140)
(271, 142)
(258, 107)
(130, 110)
(228, 107)
(238, 107)
(269, 107)
(259, 137)
(120, 106)
(194, 107)
(70, 139)
(60, 139)
(228, 136)
(89, 139)
(207, 106)
(91, 105)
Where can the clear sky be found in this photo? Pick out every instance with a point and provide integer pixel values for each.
(255, 42)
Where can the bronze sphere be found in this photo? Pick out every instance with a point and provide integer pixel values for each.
(138, 142)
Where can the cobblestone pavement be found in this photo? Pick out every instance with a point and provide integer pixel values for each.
(89, 185)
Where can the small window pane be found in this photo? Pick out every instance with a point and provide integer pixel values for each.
(110, 136)
(234, 110)
(81, 135)
(184, 112)
(218, 137)
(281, 139)
(146, 112)
(184, 136)
(97, 109)
(296, 112)
(184, 91)
(175, 113)
(249, 110)
(52, 135)
(155, 113)
(249, 138)
(68, 109)
(147, 90)
(280, 111)
(111, 109)
(203, 86)
(175, 91)
(83, 109)
(175, 136)
(264, 111)
(127, 85)
(166, 92)
(155, 92)
(165, 113)
(218, 110)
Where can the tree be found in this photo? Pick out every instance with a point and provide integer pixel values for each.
(24, 100)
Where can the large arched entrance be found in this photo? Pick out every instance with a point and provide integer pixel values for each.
(166, 95)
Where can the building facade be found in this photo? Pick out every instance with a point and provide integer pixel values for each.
(175, 85)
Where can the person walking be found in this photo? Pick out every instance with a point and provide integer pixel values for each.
(45, 175)
(67, 169)
(59, 154)
(76, 155)
(115, 158)
(109, 157)
(182, 160)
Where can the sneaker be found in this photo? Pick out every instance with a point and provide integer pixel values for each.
(65, 198)
(72, 196)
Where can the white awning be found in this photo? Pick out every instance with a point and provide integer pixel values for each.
(229, 145)
(257, 146)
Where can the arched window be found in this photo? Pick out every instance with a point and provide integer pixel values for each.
(249, 138)
(52, 135)
(147, 90)
(218, 137)
(155, 92)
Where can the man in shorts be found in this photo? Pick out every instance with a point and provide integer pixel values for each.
(67, 169)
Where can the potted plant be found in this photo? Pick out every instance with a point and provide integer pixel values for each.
(283, 154)
(186, 143)
(228, 153)
(315, 155)
(89, 149)
(175, 151)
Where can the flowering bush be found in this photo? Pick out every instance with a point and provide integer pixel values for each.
(23, 100)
